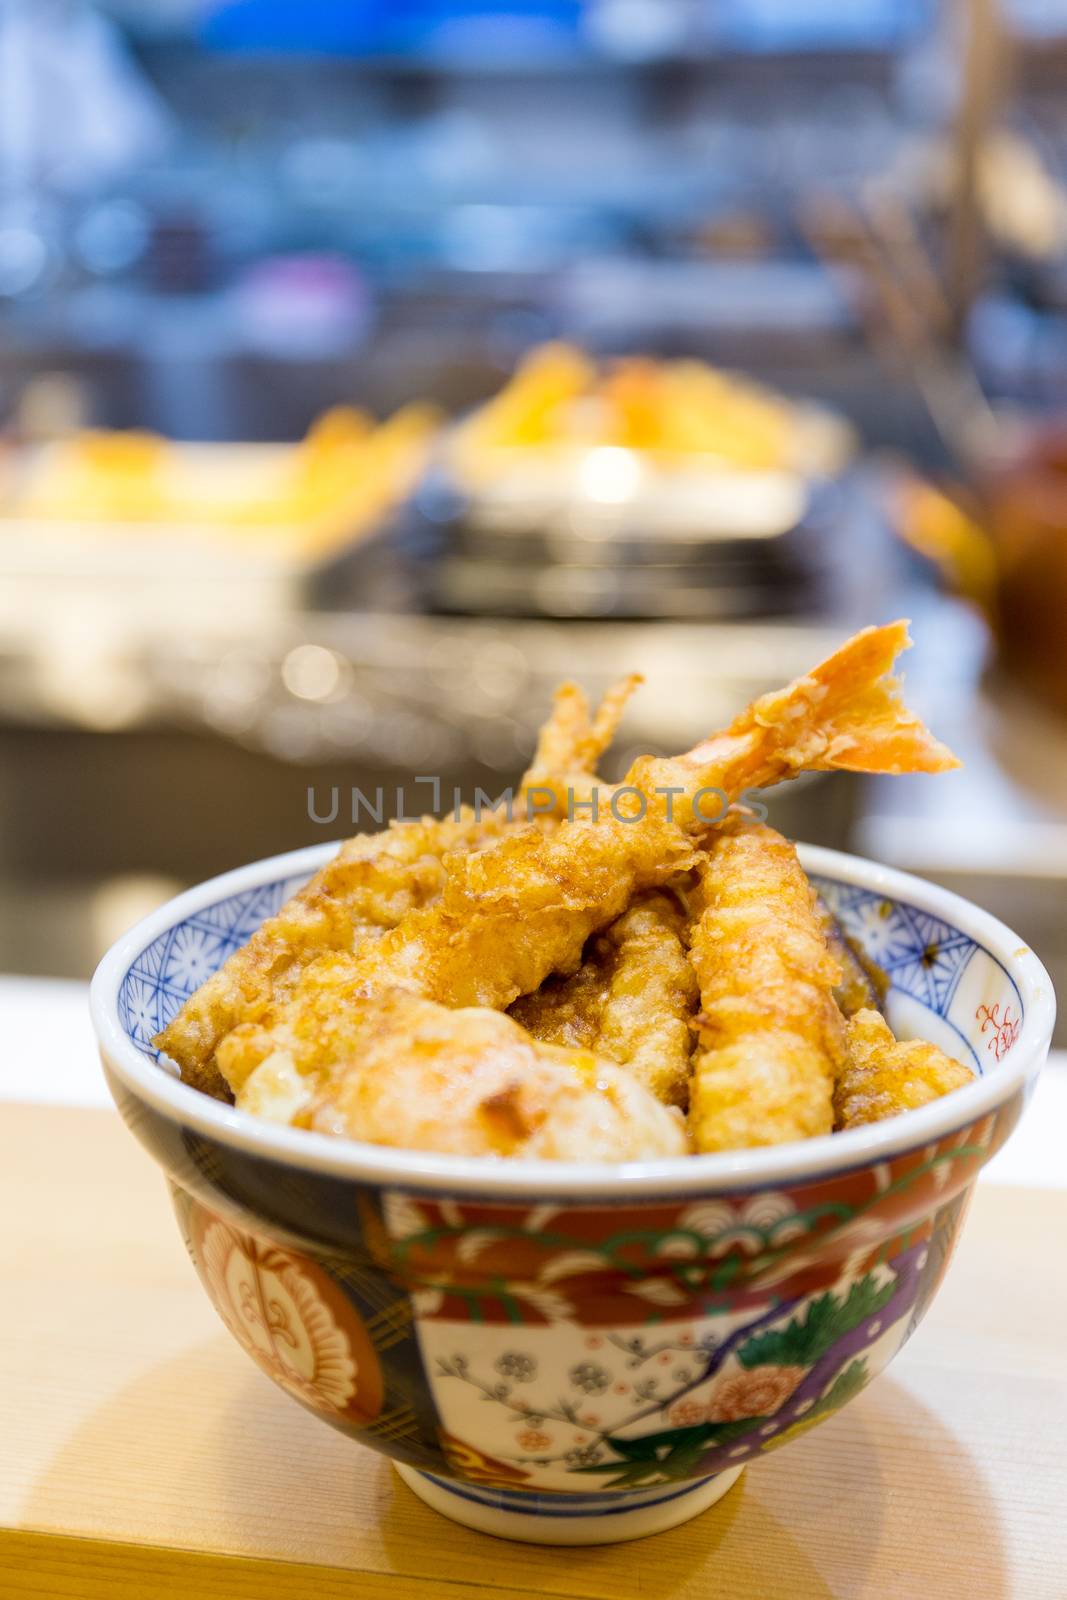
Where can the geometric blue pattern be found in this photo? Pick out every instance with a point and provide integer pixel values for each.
(166, 973)
(923, 957)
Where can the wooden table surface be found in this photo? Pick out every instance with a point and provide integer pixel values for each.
(142, 1454)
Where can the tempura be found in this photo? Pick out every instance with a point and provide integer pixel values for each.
(770, 1037)
(882, 1076)
(510, 915)
(632, 999)
(659, 951)
(372, 883)
(397, 1070)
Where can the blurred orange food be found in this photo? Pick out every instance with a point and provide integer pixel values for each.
(560, 403)
(304, 498)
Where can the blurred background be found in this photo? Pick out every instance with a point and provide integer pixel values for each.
(367, 367)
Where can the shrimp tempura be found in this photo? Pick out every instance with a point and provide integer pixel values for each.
(882, 1076)
(397, 1070)
(631, 1000)
(512, 914)
(652, 991)
(371, 885)
(845, 715)
(770, 1038)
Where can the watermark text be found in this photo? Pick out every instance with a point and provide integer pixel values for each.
(621, 802)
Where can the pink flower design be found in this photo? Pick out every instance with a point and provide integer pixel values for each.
(759, 1392)
(687, 1414)
(533, 1439)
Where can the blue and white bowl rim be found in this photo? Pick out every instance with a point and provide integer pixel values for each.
(142, 1075)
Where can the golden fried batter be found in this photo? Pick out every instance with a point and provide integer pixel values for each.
(510, 915)
(770, 1035)
(645, 1021)
(397, 1070)
(504, 920)
(566, 1011)
(882, 1077)
(370, 885)
(631, 1000)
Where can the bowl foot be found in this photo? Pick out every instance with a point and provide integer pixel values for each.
(567, 1519)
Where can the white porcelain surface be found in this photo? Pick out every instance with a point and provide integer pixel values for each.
(641, 1516)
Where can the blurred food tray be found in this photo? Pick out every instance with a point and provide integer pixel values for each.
(96, 523)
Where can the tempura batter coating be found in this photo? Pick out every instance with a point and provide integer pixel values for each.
(397, 1070)
(631, 1000)
(506, 918)
(368, 887)
(510, 915)
(882, 1076)
(371, 885)
(645, 1021)
(770, 1036)
(566, 1011)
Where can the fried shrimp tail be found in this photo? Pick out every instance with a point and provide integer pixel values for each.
(511, 915)
(396, 1070)
(865, 726)
(882, 1076)
(845, 714)
(770, 1038)
(571, 744)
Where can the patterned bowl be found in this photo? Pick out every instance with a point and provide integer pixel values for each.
(574, 1353)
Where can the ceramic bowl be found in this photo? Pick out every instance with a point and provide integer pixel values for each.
(578, 1353)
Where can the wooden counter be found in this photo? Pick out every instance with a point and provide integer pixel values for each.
(142, 1454)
